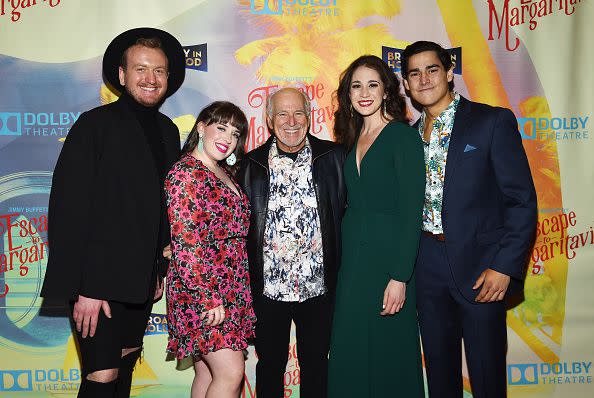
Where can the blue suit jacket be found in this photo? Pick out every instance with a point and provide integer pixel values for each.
(489, 208)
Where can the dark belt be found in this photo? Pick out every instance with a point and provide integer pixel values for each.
(439, 237)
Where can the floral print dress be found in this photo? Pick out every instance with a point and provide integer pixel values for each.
(209, 224)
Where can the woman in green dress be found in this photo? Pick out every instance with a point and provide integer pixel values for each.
(375, 349)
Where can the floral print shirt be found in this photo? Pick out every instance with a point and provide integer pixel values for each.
(436, 153)
(293, 260)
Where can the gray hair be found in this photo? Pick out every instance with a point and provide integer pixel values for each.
(306, 103)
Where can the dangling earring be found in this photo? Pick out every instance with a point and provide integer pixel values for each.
(351, 107)
(231, 159)
(200, 144)
(385, 112)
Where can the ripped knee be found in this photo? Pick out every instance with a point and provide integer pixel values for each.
(103, 375)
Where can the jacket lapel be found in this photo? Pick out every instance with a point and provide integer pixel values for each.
(318, 147)
(260, 154)
(455, 147)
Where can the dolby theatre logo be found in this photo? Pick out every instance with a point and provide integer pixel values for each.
(15, 380)
(10, 123)
(37, 124)
(49, 380)
(521, 374)
(525, 374)
(294, 7)
(555, 128)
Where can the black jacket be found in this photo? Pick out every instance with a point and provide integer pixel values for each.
(105, 208)
(328, 158)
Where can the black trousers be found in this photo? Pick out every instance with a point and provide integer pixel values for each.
(445, 318)
(125, 329)
(313, 320)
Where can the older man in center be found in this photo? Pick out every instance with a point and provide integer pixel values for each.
(296, 189)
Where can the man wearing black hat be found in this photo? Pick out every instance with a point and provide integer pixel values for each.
(107, 219)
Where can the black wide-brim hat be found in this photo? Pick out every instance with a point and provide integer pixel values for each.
(171, 47)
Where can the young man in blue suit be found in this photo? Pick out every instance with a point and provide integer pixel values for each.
(479, 220)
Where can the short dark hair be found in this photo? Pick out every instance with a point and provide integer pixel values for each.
(347, 123)
(221, 112)
(150, 42)
(420, 47)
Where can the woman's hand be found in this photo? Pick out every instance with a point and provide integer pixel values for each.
(394, 297)
(214, 317)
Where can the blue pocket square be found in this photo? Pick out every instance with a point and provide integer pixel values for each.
(469, 148)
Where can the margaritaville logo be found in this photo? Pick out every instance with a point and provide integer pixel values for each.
(16, 7)
(520, 12)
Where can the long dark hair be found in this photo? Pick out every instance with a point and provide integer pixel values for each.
(222, 112)
(348, 122)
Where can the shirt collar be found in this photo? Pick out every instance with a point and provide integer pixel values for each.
(451, 108)
(275, 154)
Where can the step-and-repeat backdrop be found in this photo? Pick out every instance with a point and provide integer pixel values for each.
(533, 56)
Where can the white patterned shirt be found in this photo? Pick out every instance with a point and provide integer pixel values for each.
(436, 154)
(293, 259)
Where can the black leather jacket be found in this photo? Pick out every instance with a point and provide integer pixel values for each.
(328, 158)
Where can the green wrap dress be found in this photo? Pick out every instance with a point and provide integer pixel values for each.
(371, 355)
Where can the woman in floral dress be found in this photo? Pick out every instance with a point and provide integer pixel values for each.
(209, 304)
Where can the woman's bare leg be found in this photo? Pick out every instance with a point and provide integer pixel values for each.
(227, 368)
(202, 379)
